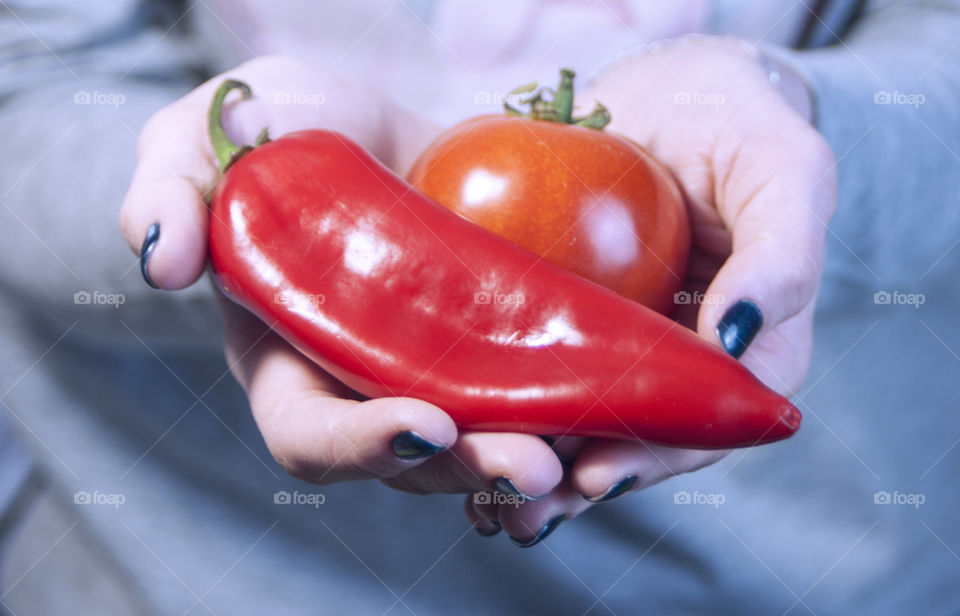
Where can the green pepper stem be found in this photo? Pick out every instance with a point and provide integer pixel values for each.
(224, 148)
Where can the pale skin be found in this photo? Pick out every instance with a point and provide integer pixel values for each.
(760, 188)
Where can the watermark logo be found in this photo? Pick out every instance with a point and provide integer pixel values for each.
(696, 497)
(289, 298)
(884, 298)
(96, 298)
(683, 298)
(486, 97)
(310, 99)
(501, 299)
(912, 99)
(98, 498)
(498, 498)
(710, 99)
(313, 499)
(84, 97)
(899, 498)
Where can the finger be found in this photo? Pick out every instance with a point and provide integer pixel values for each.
(176, 170)
(165, 203)
(607, 469)
(483, 525)
(177, 167)
(315, 435)
(777, 203)
(529, 523)
(515, 465)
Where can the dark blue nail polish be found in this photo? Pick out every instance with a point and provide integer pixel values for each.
(617, 489)
(509, 488)
(409, 445)
(149, 243)
(739, 326)
(548, 528)
(488, 533)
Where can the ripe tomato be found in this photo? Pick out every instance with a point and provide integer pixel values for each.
(590, 201)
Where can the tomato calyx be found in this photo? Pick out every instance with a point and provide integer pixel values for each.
(558, 107)
(227, 151)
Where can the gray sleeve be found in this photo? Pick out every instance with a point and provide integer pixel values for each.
(76, 86)
(887, 102)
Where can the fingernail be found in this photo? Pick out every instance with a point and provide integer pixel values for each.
(149, 243)
(548, 528)
(739, 326)
(509, 488)
(409, 445)
(615, 490)
(488, 533)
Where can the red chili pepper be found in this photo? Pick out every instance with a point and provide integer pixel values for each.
(395, 295)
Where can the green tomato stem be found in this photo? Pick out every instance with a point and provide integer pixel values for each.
(558, 107)
(563, 98)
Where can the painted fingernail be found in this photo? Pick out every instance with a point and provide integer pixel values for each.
(409, 445)
(739, 326)
(488, 532)
(149, 243)
(617, 489)
(506, 486)
(548, 528)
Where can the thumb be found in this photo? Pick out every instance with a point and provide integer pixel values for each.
(777, 205)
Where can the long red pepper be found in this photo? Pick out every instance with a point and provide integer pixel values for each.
(395, 295)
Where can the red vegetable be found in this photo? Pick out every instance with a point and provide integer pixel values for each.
(395, 295)
(590, 201)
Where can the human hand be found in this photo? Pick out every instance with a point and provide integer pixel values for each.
(316, 428)
(760, 188)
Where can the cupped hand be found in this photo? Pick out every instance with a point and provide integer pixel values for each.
(760, 188)
(315, 428)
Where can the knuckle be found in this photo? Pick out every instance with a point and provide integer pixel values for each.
(287, 448)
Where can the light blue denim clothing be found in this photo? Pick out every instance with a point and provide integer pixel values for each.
(152, 491)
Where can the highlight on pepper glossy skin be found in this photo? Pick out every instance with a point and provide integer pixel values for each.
(396, 295)
(588, 200)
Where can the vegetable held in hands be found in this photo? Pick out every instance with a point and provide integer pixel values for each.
(395, 295)
(588, 200)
